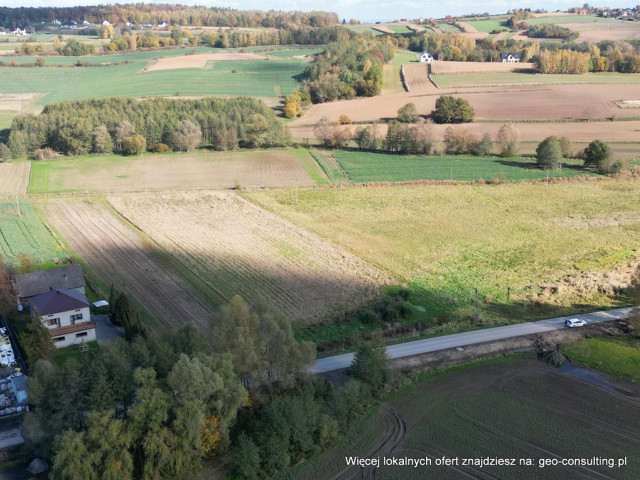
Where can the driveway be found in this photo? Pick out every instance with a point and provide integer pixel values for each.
(105, 330)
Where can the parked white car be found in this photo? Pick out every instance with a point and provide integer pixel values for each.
(575, 322)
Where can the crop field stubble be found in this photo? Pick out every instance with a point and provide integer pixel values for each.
(14, 178)
(119, 256)
(239, 248)
(504, 240)
(174, 171)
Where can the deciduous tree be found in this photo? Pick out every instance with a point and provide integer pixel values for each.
(549, 153)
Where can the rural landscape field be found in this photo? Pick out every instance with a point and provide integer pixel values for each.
(252, 192)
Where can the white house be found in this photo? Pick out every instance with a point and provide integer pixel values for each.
(426, 57)
(66, 314)
(105, 23)
(510, 57)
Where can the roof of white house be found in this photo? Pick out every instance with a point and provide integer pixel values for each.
(58, 301)
(42, 281)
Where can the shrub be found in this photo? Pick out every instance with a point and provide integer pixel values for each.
(565, 146)
(44, 154)
(549, 153)
(408, 113)
(483, 147)
(597, 155)
(458, 141)
(344, 120)
(5, 152)
(135, 145)
(369, 316)
(507, 140)
(452, 110)
(404, 293)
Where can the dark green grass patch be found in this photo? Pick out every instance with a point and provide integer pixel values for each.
(617, 356)
(379, 167)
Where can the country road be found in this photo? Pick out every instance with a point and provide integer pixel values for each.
(417, 347)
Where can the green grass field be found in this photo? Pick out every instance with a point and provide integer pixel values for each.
(365, 167)
(619, 356)
(448, 27)
(399, 28)
(268, 78)
(507, 78)
(572, 19)
(488, 25)
(505, 240)
(26, 234)
(392, 80)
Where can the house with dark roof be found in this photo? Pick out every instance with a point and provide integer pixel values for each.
(510, 57)
(67, 316)
(28, 285)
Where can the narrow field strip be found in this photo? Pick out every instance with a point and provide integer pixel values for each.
(118, 256)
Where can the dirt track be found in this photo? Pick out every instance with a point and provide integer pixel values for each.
(118, 256)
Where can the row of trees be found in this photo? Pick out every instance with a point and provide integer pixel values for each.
(172, 14)
(597, 155)
(157, 124)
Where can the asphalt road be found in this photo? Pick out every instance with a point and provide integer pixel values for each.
(417, 347)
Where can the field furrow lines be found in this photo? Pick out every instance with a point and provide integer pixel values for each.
(239, 248)
(117, 256)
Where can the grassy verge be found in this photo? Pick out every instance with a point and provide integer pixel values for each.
(310, 164)
(619, 356)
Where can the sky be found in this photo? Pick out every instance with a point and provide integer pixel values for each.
(363, 10)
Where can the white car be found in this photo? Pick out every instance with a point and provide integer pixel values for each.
(575, 322)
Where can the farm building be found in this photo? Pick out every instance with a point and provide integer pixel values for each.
(426, 57)
(510, 57)
(66, 314)
(28, 285)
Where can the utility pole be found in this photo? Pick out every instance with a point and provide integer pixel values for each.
(476, 313)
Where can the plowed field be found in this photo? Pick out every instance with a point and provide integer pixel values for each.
(439, 67)
(118, 256)
(199, 61)
(239, 248)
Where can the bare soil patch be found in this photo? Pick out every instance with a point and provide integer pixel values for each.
(14, 178)
(479, 67)
(383, 29)
(416, 78)
(517, 103)
(199, 60)
(15, 101)
(119, 257)
(239, 248)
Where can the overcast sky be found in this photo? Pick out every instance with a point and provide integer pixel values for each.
(363, 10)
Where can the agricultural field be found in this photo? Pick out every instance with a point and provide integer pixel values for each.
(171, 171)
(273, 78)
(365, 167)
(238, 248)
(14, 178)
(487, 25)
(446, 67)
(22, 232)
(505, 240)
(392, 80)
(491, 104)
(445, 79)
(120, 256)
(504, 408)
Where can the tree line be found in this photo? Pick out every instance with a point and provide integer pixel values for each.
(131, 126)
(172, 14)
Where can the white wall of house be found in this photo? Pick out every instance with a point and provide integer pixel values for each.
(64, 319)
(74, 338)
